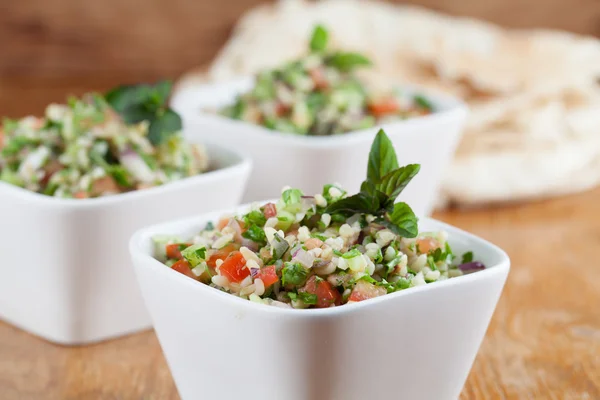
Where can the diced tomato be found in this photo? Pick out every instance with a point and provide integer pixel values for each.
(426, 245)
(183, 267)
(50, 169)
(270, 210)
(174, 250)
(222, 223)
(384, 107)
(268, 275)
(327, 295)
(318, 78)
(103, 185)
(234, 267)
(221, 254)
(81, 195)
(365, 290)
(281, 109)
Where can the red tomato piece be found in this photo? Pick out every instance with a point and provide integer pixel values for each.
(174, 250)
(365, 290)
(270, 210)
(426, 245)
(319, 78)
(268, 275)
(384, 107)
(183, 267)
(327, 295)
(234, 267)
(81, 195)
(221, 254)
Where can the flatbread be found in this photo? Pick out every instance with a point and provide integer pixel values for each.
(533, 94)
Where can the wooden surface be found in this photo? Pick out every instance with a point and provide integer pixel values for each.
(543, 342)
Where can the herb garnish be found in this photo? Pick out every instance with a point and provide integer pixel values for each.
(385, 181)
(144, 102)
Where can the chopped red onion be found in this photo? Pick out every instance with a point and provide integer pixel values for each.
(254, 272)
(233, 224)
(249, 244)
(136, 166)
(471, 266)
(304, 257)
(321, 263)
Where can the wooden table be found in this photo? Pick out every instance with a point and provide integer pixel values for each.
(543, 342)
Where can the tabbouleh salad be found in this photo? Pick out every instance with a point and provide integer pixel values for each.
(323, 250)
(99, 145)
(321, 94)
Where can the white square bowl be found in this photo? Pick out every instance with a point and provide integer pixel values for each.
(309, 162)
(65, 270)
(417, 344)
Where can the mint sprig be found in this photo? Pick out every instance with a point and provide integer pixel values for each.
(378, 193)
(145, 102)
(341, 60)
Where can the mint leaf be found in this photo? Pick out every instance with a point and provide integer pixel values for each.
(402, 221)
(137, 103)
(359, 203)
(394, 182)
(382, 158)
(319, 39)
(164, 126)
(346, 62)
(467, 257)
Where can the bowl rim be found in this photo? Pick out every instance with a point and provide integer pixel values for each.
(140, 237)
(454, 108)
(238, 164)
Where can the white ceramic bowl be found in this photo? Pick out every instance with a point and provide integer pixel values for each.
(310, 162)
(65, 270)
(416, 344)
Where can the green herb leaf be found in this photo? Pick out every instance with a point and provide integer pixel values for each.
(403, 221)
(291, 196)
(346, 62)
(136, 103)
(293, 274)
(256, 234)
(319, 39)
(358, 203)
(255, 217)
(351, 254)
(382, 158)
(431, 263)
(467, 257)
(422, 102)
(164, 126)
(307, 298)
(194, 254)
(394, 182)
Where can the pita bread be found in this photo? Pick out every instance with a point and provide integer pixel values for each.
(533, 94)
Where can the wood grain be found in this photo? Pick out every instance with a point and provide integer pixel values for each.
(543, 341)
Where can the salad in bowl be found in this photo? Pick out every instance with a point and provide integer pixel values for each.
(309, 122)
(100, 145)
(329, 293)
(75, 184)
(320, 94)
(324, 250)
